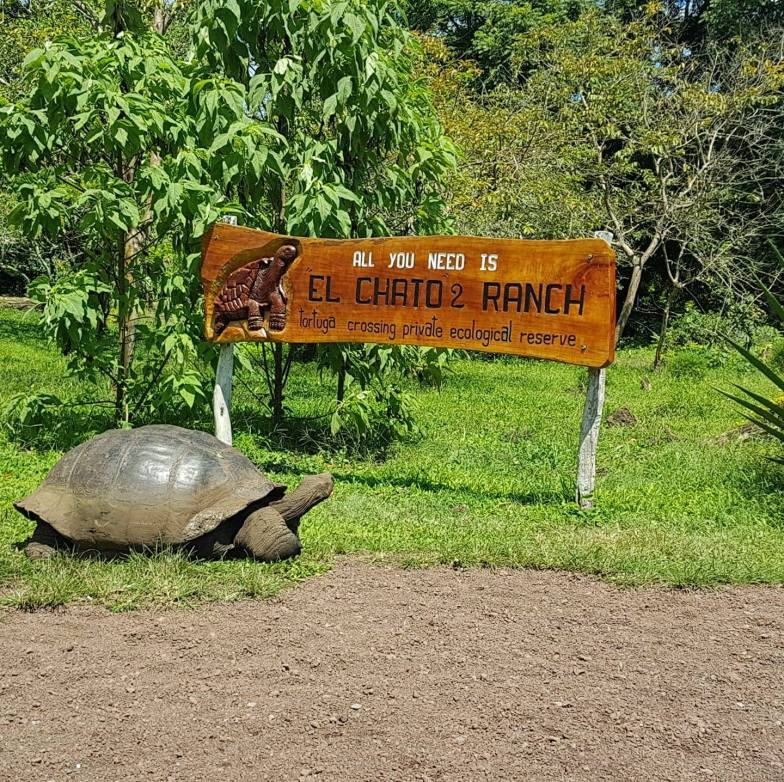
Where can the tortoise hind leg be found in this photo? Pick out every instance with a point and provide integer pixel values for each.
(45, 542)
(220, 323)
(265, 536)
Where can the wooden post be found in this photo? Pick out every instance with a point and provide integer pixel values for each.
(589, 438)
(221, 396)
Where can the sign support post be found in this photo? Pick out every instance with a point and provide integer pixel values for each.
(221, 395)
(589, 437)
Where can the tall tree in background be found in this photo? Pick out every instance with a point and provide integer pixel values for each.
(484, 31)
(361, 150)
(668, 144)
(697, 23)
(614, 125)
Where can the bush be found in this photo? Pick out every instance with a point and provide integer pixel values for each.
(45, 421)
(743, 322)
(688, 363)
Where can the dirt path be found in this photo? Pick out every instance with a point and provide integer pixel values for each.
(371, 673)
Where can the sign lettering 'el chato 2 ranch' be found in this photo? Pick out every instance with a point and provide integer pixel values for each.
(546, 299)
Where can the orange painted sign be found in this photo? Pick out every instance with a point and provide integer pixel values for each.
(545, 299)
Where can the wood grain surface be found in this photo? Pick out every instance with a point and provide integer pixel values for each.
(545, 299)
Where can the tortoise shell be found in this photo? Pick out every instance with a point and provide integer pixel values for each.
(236, 291)
(152, 484)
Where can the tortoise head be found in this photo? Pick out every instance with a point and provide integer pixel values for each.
(285, 254)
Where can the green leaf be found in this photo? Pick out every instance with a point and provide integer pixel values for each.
(34, 58)
(356, 25)
(346, 194)
(330, 106)
(188, 395)
(773, 376)
(344, 89)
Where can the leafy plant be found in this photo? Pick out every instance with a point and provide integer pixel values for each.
(371, 402)
(767, 413)
(118, 140)
(43, 420)
(743, 321)
(362, 151)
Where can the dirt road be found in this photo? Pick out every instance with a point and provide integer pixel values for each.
(372, 673)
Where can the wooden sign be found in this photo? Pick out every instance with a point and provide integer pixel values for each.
(546, 299)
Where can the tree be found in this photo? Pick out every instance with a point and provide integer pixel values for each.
(672, 145)
(617, 128)
(361, 150)
(484, 31)
(697, 23)
(26, 26)
(516, 177)
(119, 140)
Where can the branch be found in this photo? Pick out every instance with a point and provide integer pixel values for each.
(617, 224)
(152, 382)
(87, 13)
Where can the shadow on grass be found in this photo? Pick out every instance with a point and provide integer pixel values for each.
(549, 497)
(312, 435)
(21, 327)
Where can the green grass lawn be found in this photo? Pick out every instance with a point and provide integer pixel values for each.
(490, 482)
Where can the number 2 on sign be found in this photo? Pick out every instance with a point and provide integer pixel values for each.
(489, 262)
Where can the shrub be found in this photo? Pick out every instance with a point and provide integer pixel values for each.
(693, 362)
(743, 322)
(766, 413)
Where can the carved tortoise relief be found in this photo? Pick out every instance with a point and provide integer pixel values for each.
(253, 291)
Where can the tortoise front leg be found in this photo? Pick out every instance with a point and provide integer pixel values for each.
(45, 542)
(255, 321)
(277, 320)
(221, 321)
(265, 536)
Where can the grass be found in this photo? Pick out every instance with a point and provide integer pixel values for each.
(488, 483)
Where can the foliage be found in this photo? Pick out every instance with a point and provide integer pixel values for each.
(484, 31)
(132, 149)
(361, 151)
(766, 412)
(613, 125)
(28, 26)
(512, 180)
(372, 407)
(360, 141)
(733, 19)
(744, 322)
(693, 362)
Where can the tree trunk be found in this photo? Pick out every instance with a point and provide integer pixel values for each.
(126, 329)
(629, 301)
(672, 295)
(159, 19)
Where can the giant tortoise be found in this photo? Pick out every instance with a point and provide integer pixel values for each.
(166, 486)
